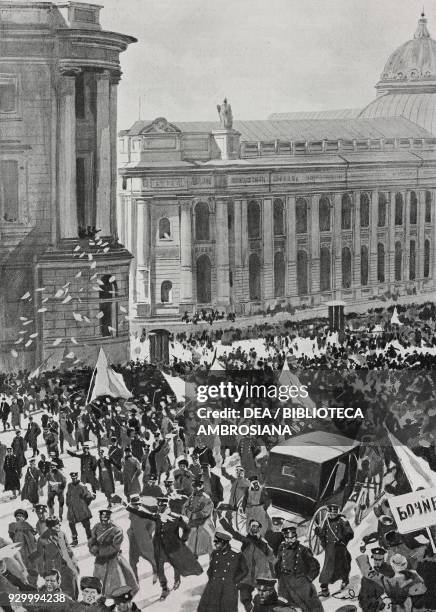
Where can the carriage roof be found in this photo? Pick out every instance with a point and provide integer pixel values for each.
(315, 446)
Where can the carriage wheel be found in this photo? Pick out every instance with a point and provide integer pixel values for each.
(361, 505)
(317, 521)
(240, 519)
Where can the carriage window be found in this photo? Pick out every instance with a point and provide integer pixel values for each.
(288, 471)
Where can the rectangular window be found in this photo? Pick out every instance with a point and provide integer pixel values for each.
(8, 95)
(80, 96)
(9, 190)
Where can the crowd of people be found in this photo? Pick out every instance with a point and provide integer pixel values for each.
(184, 494)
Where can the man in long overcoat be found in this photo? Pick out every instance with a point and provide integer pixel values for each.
(110, 566)
(54, 552)
(199, 510)
(32, 482)
(226, 571)
(23, 533)
(31, 437)
(88, 466)
(334, 534)
(78, 499)
(12, 473)
(105, 476)
(131, 474)
(169, 546)
(140, 535)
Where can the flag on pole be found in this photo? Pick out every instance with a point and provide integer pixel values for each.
(107, 381)
(416, 469)
(287, 378)
(394, 319)
(37, 371)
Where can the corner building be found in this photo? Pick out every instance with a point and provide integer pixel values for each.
(280, 211)
(59, 74)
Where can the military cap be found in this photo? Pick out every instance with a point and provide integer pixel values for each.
(52, 521)
(198, 482)
(333, 508)
(51, 572)
(378, 552)
(289, 529)
(221, 535)
(122, 594)
(277, 520)
(253, 478)
(269, 582)
(90, 582)
(168, 481)
(105, 511)
(74, 474)
(40, 507)
(86, 446)
(182, 462)
(162, 500)
(134, 499)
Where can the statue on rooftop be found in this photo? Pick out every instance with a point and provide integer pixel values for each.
(225, 114)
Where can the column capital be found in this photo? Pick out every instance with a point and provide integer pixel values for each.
(69, 71)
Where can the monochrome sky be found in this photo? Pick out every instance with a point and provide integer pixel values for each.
(265, 55)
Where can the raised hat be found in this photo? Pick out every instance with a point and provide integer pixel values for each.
(222, 535)
(122, 593)
(90, 582)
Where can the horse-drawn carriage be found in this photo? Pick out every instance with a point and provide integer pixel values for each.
(308, 472)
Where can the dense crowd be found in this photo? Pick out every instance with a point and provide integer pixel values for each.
(185, 494)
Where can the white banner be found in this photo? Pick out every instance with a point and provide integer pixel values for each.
(414, 511)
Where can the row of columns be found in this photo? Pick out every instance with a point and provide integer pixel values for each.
(105, 148)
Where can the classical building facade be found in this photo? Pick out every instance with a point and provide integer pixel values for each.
(242, 215)
(62, 286)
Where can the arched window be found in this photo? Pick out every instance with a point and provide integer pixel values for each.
(363, 265)
(398, 261)
(302, 273)
(324, 269)
(164, 229)
(398, 209)
(279, 274)
(346, 268)
(346, 212)
(279, 217)
(166, 292)
(204, 284)
(108, 305)
(427, 259)
(381, 262)
(428, 207)
(412, 260)
(413, 216)
(381, 222)
(254, 277)
(301, 216)
(324, 214)
(364, 210)
(253, 218)
(202, 221)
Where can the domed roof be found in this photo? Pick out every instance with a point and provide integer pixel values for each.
(412, 66)
(417, 107)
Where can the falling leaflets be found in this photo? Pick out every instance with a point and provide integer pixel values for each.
(90, 257)
(57, 341)
(100, 315)
(70, 356)
(93, 265)
(111, 329)
(96, 288)
(28, 343)
(86, 319)
(40, 289)
(77, 361)
(33, 335)
(106, 250)
(44, 301)
(77, 316)
(123, 309)
(82, 255)
(27, 322)
(23, 318)
(67, 299)
(25, 296)
(42, 309)
(73, 340)
(93, 277)
(66, 285)
(81, 289)
(78, 275)
(59, 293)
(23, 331)
(14, 354)
(19, 341)
(77, 248)
(112, 278)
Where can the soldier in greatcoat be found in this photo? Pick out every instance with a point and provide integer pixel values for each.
(115, 456)
(110, 566)
(131, 473)
(41, 523)
(12, 473)
(256, 503)
(334, 534)
(371, 590)
(32, 480)
(105, 476)
(23, 533)
(198, 509)
(140, 535)
(31, 437)
(226, 570)
(78, 499)
(296, 568)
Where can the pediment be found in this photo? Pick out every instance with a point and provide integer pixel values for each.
(160, 126)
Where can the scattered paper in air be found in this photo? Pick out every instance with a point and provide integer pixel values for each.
(57, 341)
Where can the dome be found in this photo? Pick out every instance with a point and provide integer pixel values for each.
(413, 65)
(407, 85)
